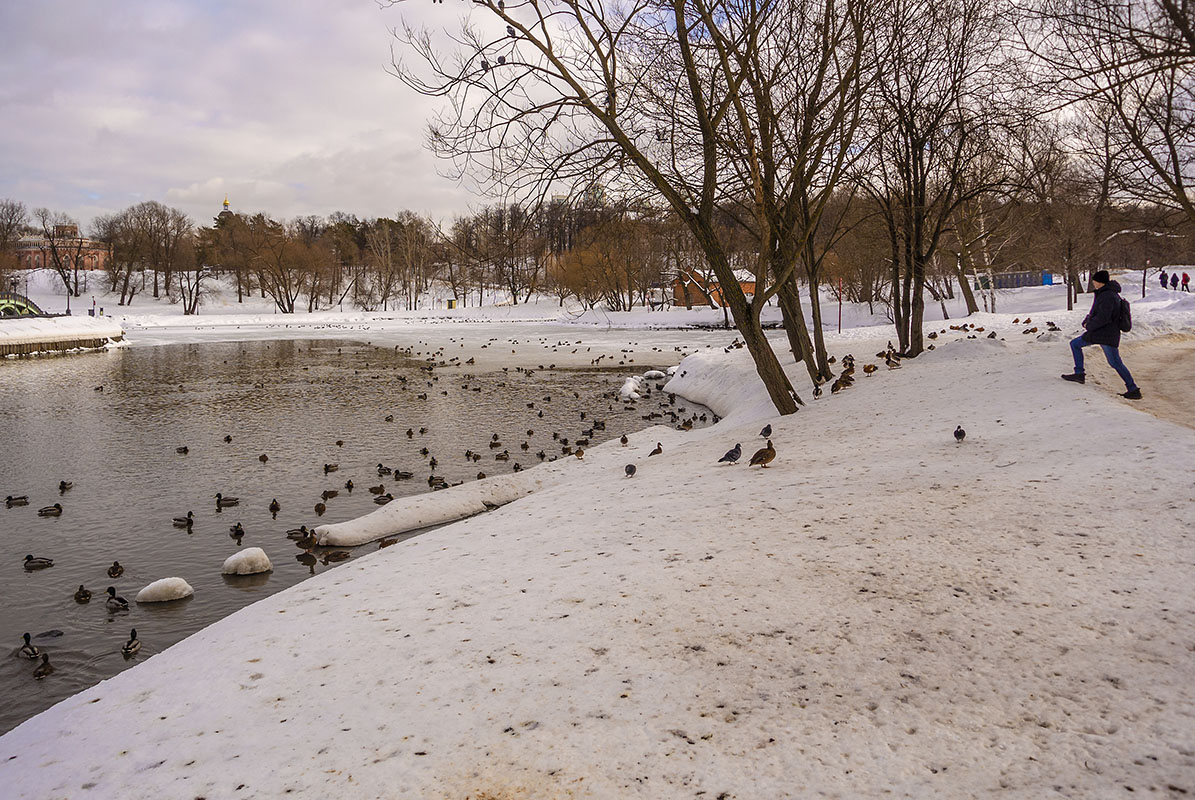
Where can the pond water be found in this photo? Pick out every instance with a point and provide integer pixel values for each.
(303, 404)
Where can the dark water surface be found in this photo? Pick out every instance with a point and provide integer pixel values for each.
(289, 400)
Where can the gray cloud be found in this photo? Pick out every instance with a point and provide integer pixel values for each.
(286, 105)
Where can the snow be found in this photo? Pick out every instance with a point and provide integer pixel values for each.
(23, 330)
(881, 611)
(164, 590)
(249, 561)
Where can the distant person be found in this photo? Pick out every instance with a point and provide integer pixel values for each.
(1103, 326)
(1186, 283)
(1174, 281)
(1163, 278)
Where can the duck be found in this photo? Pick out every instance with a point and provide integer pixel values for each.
(348, 485)
(334, 556)
(481, 476)
(263, 458)
(503, 456)
(82, 594)
(116, 570)
(131, 647)
(340, 442)
(225, 502)
(22, 500)
(182, 451)
(116, 602)
(328, 494)
(764, 456)
(959, 434)
(300, 532)
(29, 649)
(64, 486)
(275, 508)
(44, 668)
(383, 470)
(659, 449)
(227, 438)
(32, 563)
(383, 499)
(330, 468)
(50, 511)
(402, 475)
(320, 508)
(309, 541)
(236, 531)
(185, 522)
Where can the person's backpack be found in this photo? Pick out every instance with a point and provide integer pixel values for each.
(1125, 317)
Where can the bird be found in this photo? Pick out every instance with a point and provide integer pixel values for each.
(817, 390)
(29, 649)
(328, 494)
(733, 454)
(377, 489)
(349, 486)
(131, 647)
(22, 500)
(501, 60)
(383, 470)
(236, 531)
(959, 434)
(32, 563)
(340, 442)
(580, 453)
(182, 451)
(82, 594)
(275, 508)
(402, 475)
(44, 668)
(116, 570)
(510, 31)
(320, 508)
(767, 431)
(115, 602)
(868, 369)
(623, 441)
(659, 449)
(332, 468)
(227, 438)
(630, 470)
(297, 533)
(263, 458)
(64, 486)
(764, 457)
(225, 502)
(185, 522)
(50, 511)
(381, 499)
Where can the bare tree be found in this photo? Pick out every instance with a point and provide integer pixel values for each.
(13, 219)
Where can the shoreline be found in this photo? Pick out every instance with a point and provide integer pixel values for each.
(1165, 368)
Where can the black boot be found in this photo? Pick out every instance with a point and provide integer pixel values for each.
(1132, 394)
(1077, 377)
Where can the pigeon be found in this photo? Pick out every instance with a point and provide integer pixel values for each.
(630, 470)
(767, 431)
(959, 434)
(732, 455)
(764, 457)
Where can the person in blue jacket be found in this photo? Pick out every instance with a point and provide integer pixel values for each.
(1174, 281)
(1103, 328)
(1163, 279)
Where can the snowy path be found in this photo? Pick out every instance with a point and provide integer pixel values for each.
(882, 610)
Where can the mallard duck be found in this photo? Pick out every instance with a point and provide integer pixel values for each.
(263, 458)
(225, 502)
(236, 531)
(115, 602)
(383, 499)
(383, 470)
(659, 449)
(348, 485)
(959, 434)
(131, 647)
(227, 438)
(50, 511)
(379, 489)
(29, 649)
(580, 453)
(44, 668)
(330, 468)
(297, 533)
(320, 508)
(868, 369)
(182, 451)
(328, 494)
(64, 486)
(503, 456)
(22, 500)
(340, 442)
(275, 508)
(185, 522)
(481, 476)
(32, 563)
(116, 570)
(334, 556)
(82, 594)
(402, 475)
(764, 457)
(410, 433)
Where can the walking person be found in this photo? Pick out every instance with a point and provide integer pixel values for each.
(1162, 279)
(1186, 283)
(1104, 325)
(1174, 281)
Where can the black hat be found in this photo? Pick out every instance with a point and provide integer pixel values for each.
(1100, 276)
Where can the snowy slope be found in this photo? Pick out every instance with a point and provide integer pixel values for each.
(880, 611)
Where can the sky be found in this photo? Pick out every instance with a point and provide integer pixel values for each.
(285, 105)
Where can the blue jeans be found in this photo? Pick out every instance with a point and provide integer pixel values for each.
(1111, 353)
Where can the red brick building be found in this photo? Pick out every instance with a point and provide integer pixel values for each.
(699, 288)
(36, 252)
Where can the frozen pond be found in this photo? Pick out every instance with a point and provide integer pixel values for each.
(292, 401)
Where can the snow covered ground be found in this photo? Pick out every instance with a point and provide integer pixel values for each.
(881, 611)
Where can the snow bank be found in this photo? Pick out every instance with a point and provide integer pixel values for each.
(434, 508)
(166, 589)
(249, 561)
(27, 330)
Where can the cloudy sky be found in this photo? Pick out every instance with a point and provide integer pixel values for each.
(286, 105)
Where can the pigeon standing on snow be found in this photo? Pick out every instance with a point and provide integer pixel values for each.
(630, 470)
(732, 455)
(959, 434)
(767, 431)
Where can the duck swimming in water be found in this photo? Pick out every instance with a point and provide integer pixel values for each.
(275, 508)
(131, 647)
(50, 511)
(32, 563)
(64, 486)
(225, 502)
(44, 668)
(116, 570)
(22, 500)
(185, 522)
(115, 602)
(29, 649)
(83, 594)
